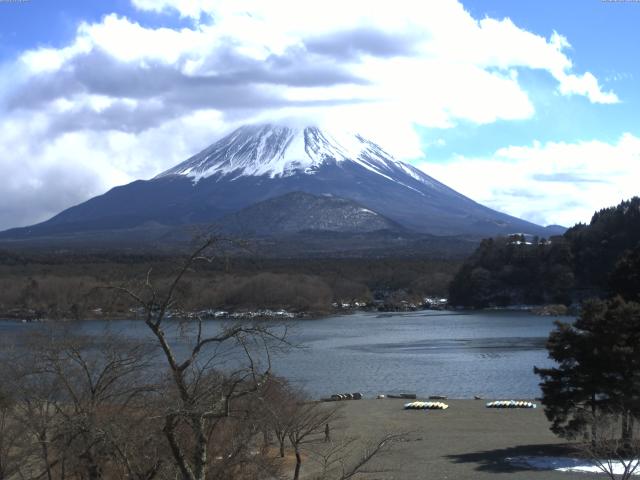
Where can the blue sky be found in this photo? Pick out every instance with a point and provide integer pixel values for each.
(601, 35)
(41, 23)
(527, 107)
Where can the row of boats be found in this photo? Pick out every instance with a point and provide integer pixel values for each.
(444, 406)
(511, 404)
(345, 396)
(425, 406)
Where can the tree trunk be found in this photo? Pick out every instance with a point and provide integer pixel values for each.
(594, 421)
(627, 430)
(45, 455)
(95, 472)
(281, 440)
(178, 456)
(200, 454)
(296, 473)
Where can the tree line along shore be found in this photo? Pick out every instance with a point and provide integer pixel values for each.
(69, 286)
(600, 259)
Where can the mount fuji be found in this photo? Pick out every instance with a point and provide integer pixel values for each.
(250, 177)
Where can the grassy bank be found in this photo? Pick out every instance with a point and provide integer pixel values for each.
(466, 441)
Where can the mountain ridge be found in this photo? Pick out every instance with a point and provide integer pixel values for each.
(260, 162)
(297, 212)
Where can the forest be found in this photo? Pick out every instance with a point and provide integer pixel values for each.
(594, 260)
(68, 285)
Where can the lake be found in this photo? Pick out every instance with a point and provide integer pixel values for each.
(490, 354)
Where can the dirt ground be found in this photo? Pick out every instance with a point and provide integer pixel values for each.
(466, 441)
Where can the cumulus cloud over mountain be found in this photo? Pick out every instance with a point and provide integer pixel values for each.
(125, 99)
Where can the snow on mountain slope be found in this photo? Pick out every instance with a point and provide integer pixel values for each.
(279, 151)
(257, 163)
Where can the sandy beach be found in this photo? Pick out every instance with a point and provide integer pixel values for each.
(466, 441)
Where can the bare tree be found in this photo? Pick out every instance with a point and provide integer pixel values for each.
(11, 449)
(36, 411)
(280, 404)
(189, 401)
(81, 407)
(613, 449)
(100, 385)
(290, 416)
(202, 395)
(306, 422)
(345, 459)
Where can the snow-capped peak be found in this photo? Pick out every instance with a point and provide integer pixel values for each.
(280, 151)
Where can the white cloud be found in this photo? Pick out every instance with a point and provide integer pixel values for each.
(119, 102)
(43, 178)
(551, 183)
(456, 69)
(587, 85)
(186, 8)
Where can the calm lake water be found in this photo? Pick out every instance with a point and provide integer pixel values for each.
(491, 354)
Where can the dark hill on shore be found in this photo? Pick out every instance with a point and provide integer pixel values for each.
(588, 260)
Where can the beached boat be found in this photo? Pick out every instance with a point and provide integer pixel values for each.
(426, 406)
(511, 404)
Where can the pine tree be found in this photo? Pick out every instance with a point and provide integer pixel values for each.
(598, 369)
(625, 278)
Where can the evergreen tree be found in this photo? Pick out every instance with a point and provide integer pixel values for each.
(588, 260)
(625, 279)
(598, 370)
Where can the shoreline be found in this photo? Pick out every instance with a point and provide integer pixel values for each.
(295, 316)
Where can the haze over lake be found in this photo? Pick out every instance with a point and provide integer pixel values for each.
(489, 353)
